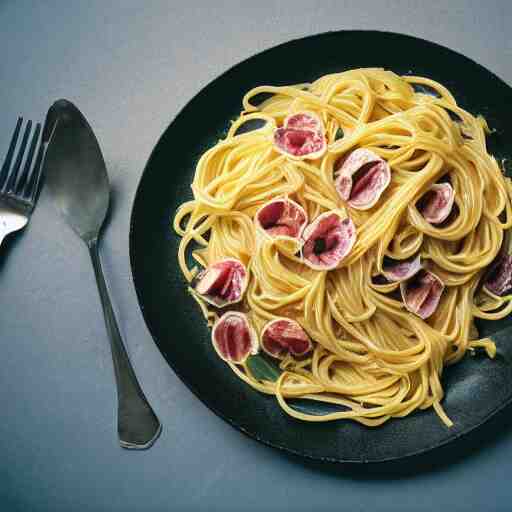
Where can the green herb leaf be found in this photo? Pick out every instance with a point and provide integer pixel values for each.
(507, 241)
(262, 368)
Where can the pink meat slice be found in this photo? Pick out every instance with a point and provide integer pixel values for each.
(232, 337)
(298, 142)
(368, 182)
(301, 135)
(362, 176)
(284, 336)
(400, 270)
(222, 280)
(437, 203)
(282, 217)
(229, 290)
(499, 280)
(422, 293)
(328, 240)
(303, 120)
(212, 279)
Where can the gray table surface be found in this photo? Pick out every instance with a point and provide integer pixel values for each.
(130, 66)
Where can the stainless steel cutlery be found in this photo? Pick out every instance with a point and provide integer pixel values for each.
(20, 177)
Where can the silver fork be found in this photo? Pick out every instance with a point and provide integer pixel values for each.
(20, 178)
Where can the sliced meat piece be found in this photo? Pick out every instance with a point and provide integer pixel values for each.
(499, 279)
(437, 203)
(233, 337)
(361, 178)
(283, 336)
(281, 217)
(422, 292)
(328, 240)
(305, 120)
(300, 144)
(301, 136)
(401, 270)
(222, 283)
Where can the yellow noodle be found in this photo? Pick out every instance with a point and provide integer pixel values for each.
(372, 359)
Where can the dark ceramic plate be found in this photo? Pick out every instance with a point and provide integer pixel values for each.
(475, 389)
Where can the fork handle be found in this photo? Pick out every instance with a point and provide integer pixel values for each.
(137, 425)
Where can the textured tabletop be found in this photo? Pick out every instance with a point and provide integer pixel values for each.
(131, 66)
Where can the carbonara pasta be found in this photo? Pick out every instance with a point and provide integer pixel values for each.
(348, 238)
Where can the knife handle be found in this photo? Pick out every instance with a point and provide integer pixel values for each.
(137, 425)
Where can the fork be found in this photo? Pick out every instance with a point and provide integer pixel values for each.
(20, 178)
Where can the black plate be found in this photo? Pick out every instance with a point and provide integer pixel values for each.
(476, 388)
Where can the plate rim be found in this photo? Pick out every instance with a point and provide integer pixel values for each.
(190, 386)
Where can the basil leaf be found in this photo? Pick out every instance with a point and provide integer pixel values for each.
(339, 134)
(262, 369)
(315, 408)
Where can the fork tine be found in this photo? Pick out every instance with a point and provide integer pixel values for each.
(4, 173)
(33, 182)
(23, 176)
(9, 185)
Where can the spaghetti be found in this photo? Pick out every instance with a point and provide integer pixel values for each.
(373, 357)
